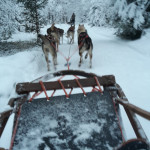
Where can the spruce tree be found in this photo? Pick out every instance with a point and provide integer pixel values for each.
(9, 18)
(32, 14)
(131, 19)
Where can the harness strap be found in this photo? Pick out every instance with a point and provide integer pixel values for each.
(53, 93)
(44, 89)
(98, 84)
(83, 37)
(52, 44)
(67, 96)
(15, 129)
(80, 86)
(35, 95)
(51, 40)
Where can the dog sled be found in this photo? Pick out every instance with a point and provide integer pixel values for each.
(84, 120)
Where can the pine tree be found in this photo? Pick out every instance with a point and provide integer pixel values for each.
(100, 13)
(32, 14)
(9, 18)
(147, 15)
(131, 19)
(130, 1)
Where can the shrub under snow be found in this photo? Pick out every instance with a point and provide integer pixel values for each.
(131, 18)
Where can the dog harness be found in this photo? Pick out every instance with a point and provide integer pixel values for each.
(51, 40)
(83, 36)
(50, 30)
(71, 28)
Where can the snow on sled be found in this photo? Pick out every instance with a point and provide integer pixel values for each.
(87, 120)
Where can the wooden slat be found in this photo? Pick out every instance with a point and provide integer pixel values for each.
(22, 88)
(132, 117)
(135, 109)
(3, 119)
(20, 100)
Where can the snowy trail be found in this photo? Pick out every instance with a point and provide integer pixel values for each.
(127, 60)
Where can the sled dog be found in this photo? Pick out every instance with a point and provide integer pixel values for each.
(61, 33)
(70, 34)
(84, 44)
(56, 32)
(49, 46)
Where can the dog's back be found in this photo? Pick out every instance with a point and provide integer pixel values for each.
(84, 44)
(53, 31)
(84, 40)
(70, 34)
(48, 42)
(71, 31)
(56, 32)
(49, 46)
(72, 28)
(60, 31)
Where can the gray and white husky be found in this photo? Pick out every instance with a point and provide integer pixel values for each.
(84, 44)
(57, 33)
(70, 34)
(49, 46)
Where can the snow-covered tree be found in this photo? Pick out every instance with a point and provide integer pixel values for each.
(32, 14)
(59, 11)
(100, 13)
(10, 18)
(147, 15)
(130, 18)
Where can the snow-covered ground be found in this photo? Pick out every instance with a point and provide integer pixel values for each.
(129, 61)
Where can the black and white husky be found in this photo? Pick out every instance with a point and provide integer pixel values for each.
(84, 44)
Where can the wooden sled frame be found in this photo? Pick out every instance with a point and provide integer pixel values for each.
(90, 81)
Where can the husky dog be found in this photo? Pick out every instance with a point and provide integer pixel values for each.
(53, 31)
(84, 44)
(56, 32)
(49, 46)
(70, 34)
(61, 33)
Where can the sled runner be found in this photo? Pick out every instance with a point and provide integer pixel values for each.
(86, 120)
